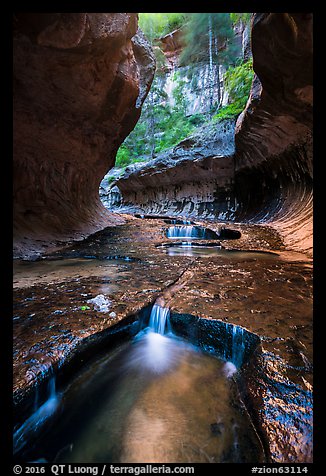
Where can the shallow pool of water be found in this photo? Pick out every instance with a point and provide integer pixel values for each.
(186, 249)
(28, 273)
(154, 399)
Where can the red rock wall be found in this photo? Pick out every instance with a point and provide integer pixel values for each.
(273, 161)
(79, 83)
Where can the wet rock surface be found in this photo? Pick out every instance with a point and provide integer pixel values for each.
(94, 71)
(272, 299)
(270, 296)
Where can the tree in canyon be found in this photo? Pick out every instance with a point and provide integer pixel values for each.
(209, 38)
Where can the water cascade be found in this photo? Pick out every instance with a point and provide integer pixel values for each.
(158, 385)
(182, 232)
(157, 349)
(190, 231)
(238, 346)
(176, 221)
(41, 414)
(159, 319)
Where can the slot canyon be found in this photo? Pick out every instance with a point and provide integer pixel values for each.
(184, 280)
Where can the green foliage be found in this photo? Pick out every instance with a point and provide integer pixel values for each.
(240, 17)
(197, 38)
(197, 119)
(173, 128)
(237, 82)
(175, 21)
(161, 61)
(163, 125)
(178, 94)
(155, 25)
(123, 156)
(160, 126)
(229, 111)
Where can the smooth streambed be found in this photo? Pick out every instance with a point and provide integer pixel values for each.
(28, 273)
(156, 398)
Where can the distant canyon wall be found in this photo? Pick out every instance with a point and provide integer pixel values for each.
(197, 79)
(195, 178)
(79, 82)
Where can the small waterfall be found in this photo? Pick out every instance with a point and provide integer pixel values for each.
(37, 419)
(51, 388)
(180, 222)
(155, 348)
(191, 231)
(238, 346)
(182, 232)
(159, 320)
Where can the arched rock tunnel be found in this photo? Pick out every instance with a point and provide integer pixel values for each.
(79, 82)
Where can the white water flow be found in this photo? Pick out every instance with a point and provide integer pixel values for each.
(159, 319)
(156, 399)
(238, 346)
(30, 427)
(182, 232)
(157, 349)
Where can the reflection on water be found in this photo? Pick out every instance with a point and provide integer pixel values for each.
(155, 399)
(185, 249)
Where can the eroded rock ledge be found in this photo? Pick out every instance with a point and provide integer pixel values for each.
(79, 83)
(270, 174)
(195, 177)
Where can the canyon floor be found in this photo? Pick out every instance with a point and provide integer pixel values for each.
(262, 287)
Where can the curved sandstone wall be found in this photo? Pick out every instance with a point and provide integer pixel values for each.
(273, 160)
(79, 82)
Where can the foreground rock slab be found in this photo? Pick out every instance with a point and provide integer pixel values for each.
(270, 295)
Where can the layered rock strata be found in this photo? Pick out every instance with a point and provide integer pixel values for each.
(194, 178)
(79, 83)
